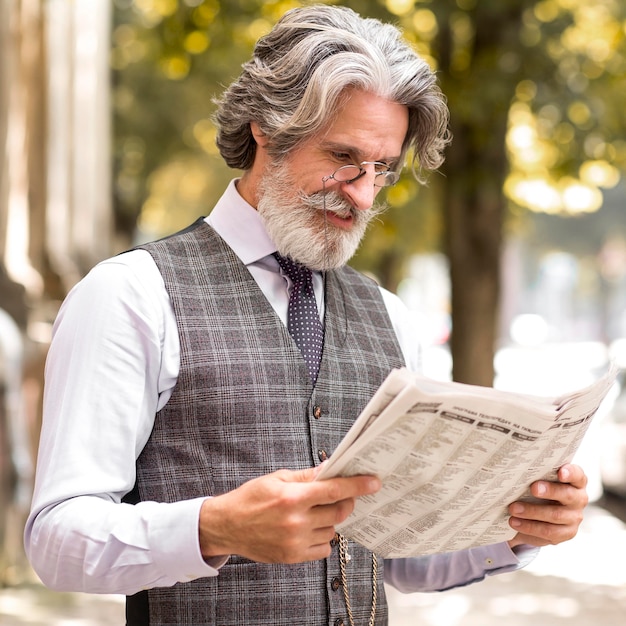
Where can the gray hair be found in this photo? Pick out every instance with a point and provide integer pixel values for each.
(300, 71)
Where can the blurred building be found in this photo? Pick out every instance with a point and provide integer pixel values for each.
(55, 211)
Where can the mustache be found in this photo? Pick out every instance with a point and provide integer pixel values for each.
(331, 201)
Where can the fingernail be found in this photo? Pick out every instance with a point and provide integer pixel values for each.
(517, 509)
(515, 522)
(375, 485)
(565, 474)
(541, 489)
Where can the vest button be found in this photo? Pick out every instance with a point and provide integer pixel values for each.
(322, 454)
(317, 412)
(339, 622)
(335, 584)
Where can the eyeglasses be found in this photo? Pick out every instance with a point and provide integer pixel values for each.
(384, 175)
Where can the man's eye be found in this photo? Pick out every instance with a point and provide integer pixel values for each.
(341, 156)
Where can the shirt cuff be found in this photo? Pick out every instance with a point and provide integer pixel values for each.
(175, 544)
(501, 558)
(525, 554)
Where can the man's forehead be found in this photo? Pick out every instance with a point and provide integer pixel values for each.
(355, 151)
(367, 123)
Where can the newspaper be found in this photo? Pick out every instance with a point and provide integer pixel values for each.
(452, 457)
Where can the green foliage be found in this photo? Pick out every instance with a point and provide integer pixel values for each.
(169, 59)
(565, 60)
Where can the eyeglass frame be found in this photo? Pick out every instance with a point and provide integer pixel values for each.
(389, 174)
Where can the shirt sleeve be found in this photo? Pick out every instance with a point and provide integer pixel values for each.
(406, 328)
(439, 572)
(107, 374)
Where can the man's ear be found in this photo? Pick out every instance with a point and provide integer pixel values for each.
(259, 136)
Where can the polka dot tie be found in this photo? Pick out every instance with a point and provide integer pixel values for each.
(303, 320)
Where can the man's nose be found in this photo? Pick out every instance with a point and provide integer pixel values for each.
(362, 192)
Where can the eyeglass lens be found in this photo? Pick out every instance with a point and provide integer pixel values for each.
(350, 173)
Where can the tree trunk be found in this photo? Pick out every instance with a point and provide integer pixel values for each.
(473, 207)
(475, 170)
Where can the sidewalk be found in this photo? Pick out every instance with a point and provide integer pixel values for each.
(579, 583)
(34, 605)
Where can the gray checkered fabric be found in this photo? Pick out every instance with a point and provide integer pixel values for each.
(244, 405)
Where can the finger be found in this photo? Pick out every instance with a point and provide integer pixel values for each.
(316, 552)
(322, 535)
(314, 544)
(538, 533)
(331, 490)
(574, 475)
(332, 514)
(335, 490)
(565, 494)
(545, 524)
(545, 513)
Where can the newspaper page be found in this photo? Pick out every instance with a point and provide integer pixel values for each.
(451, 458)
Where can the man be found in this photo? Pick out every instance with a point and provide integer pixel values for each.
(184, 427)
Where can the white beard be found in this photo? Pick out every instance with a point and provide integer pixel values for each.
(297, 224)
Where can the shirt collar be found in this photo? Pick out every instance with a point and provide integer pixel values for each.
(240, 226)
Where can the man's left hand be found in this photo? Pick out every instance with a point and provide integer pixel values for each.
(556, 520)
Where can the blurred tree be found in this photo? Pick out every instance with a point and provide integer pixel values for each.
(54, 210)
(529, 85)
(534, 91)
(169, 60)
(21, 202)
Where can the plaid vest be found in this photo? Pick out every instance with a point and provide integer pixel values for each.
(244, 406)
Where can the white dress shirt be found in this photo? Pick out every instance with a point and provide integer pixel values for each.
(112, 365)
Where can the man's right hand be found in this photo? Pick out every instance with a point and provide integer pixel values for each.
(283, 517)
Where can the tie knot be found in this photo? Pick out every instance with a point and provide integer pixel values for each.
(299, 274)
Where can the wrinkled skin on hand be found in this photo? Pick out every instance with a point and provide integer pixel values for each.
(283, 517)
(558, 519)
